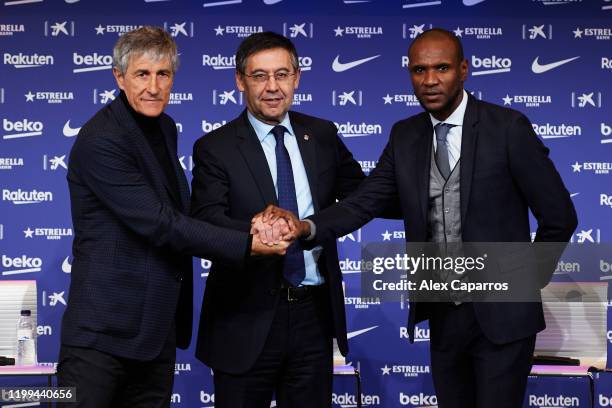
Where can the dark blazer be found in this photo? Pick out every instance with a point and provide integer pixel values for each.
(505, 172)
(232, 183)
(132, 267)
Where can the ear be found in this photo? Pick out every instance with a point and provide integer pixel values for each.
(240, 82)
(463, 69)
(296, 81)
(118, 77)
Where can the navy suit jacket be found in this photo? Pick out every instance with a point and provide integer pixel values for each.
(132, 268)
(232, 183)
(505, 172)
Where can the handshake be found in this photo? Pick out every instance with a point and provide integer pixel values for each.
(274, 230)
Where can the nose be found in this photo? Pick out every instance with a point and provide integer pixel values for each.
(271, 84)
(430, 78)
(153, 86)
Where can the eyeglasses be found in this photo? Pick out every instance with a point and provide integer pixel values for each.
(261, 77)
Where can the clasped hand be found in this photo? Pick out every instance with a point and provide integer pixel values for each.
(274, 229)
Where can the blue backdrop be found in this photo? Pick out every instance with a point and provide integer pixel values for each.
(550, 59)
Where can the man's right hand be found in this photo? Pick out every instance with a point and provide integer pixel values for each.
(260, 248)
(271, 216)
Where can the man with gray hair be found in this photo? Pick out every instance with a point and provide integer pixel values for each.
(130, 301)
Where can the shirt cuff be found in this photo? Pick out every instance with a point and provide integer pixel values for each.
(313, 230)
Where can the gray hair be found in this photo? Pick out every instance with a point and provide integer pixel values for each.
(152, 41)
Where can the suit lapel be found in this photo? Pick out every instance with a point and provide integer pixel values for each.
(169, 131)
(307, 144)
(423, 162)
(140, 142)
(468, 153)
(253, 154)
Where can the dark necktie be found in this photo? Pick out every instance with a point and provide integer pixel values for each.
(442, 149)
(293, 267)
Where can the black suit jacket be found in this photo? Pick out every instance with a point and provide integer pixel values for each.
(132, 267)
(505, 172)
(232, 183)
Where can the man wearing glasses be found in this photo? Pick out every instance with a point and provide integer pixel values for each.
(268, 327)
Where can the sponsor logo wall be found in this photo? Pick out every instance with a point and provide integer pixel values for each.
(548, 59)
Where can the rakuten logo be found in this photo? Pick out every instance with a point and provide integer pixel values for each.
(93, 62)
(490, 65)
(420, 400)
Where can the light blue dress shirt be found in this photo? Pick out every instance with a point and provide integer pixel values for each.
(302, 188)
(453, 138)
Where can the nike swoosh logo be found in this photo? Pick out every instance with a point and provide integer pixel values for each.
(70, 132)
(271, 2)
(359, 332)
(539, 69)
(338, 66)
(66, 266)
(472, 2)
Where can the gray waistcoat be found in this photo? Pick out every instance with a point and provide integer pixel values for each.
(444, 216)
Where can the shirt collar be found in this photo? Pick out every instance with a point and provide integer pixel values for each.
(455, 118)
(262, 130)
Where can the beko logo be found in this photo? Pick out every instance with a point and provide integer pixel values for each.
(92, 62)
(606, 132)
(490, 65)
(23, 264)
(420, 400)
(21, 129)
(210, 126)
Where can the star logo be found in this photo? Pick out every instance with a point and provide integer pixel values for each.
(29, 96)
(57, 297)
(458, 32)
(386, 370)
(99, 30)
(415, 30)
(339, 31)
(59, 28)
(578, 32)
(576, 167)
(177, 29)
(58, 161)
(107, 96)
(388, 99)
(29, 233)
(218, 30)
(298, 29)
(584, 236)
(386, 235)
(507, 100)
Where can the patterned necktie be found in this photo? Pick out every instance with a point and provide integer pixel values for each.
(442, 149)
(293, 267)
